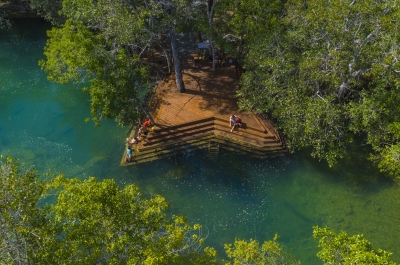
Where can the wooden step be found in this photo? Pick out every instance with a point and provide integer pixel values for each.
(212, 133)
(249, 148)
(184, 131)
(246, 146)
(176, 137)
(159, 129)
(154, 136)
(247, 131)
(181, 136)
(216, 120)
(228, 136)
(224, 121)
(161, 151)
(247, 140)
(256, 139)
(177, 141)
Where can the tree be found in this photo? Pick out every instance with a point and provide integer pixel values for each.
(21, 222)
(270, 253)
(89, 222)
(247, 21)
(116, 226)
(321, 72)
(348, 250)
(102, 41)
(49, 10)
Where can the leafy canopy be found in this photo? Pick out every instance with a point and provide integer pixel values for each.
(348, 250)
(249, 252)
(98, 46)
(89, 222)
(328, 70)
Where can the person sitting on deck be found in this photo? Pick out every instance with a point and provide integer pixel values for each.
(133, 140)
(232, 122)
(147, 123)
(128, 154)
(239, 122)
(143, 131)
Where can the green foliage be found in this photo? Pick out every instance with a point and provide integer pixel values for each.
(99, 43)
(378, 116)
(328, 69)
(69, 221)
(49, 10)
(22, 223)
(348, 250)
(90, 222)
(114, 225)
(270, 253)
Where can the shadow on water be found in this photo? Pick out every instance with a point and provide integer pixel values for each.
(354, 170)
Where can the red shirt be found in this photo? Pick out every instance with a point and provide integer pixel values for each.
(147, 123)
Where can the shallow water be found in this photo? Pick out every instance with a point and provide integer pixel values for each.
(42, 123)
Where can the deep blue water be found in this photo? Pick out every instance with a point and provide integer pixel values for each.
(42, 124)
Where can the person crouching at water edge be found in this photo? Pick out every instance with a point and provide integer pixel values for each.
(147, 123)
(143, 132)
(128, 154)
(133, 140)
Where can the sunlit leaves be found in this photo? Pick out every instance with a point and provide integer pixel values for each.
(89, 222)
(348, 250)
(95, 49)
(22, 224)
(250, 252)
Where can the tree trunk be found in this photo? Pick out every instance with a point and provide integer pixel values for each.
(212, 53)
(210, 13)
(177, 63)
(148, 115)
(199, 37)
(168, 60)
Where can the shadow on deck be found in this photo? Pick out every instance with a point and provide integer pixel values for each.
(199, 119)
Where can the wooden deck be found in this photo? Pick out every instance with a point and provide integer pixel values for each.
(199, 118)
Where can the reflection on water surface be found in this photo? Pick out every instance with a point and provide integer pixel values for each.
(42, 123)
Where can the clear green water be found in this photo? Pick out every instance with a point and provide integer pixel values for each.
(42, 123)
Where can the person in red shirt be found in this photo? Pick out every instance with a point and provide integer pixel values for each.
(147, 123)
(239, 122)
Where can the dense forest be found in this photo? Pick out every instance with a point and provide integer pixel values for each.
(325, 72)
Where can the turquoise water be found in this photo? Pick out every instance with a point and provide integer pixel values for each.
(42, 123)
